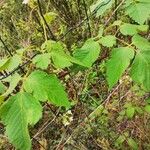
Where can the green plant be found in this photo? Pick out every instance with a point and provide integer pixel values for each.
(40, 83)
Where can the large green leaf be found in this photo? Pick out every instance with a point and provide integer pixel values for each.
(140, 71)
(88, 53)
(46, 87)
(138, 10)
(118, 63)
(16, 113)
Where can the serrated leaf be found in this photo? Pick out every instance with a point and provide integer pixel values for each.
(118, 63)
(140, 71)
(108, 41)
(42, 60)
(101, 6)
(140, 42)
(138, 10)
(17, 113)
(88, 53)
(132, 29)
(46, 87)
(130, 111)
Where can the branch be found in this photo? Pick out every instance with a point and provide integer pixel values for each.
(87, 16)
(5, 46)
(40, 10)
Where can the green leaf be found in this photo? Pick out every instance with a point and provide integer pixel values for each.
(42, 60)
(132, 143)
(17, 113)
(108, 41)
(140, 42)
(4, 63)
(101, 6)
(118, 63)
(147, 108)
(88, 53)
(14, 62)
(140, 71)
(138, 10)
(2, 88)
(13, 81)
(130, 111)
(132, 29)
(46, 87)
(59, 57)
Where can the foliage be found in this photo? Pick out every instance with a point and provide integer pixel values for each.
(45, 40)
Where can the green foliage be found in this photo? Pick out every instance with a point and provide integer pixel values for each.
(108, 41)
(42, 61)
(120, 47)
(118, 63)
(46, 87)
(132, 29)
(138, 10)
(88, 53)
(17, 113)
(58, 55)
(140, 70)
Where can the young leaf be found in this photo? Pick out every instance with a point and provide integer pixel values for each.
(16, 113)
(42, 60)
(46, 87)
(88, 53)
(108, 41)
(138, 10)
(118, 63)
